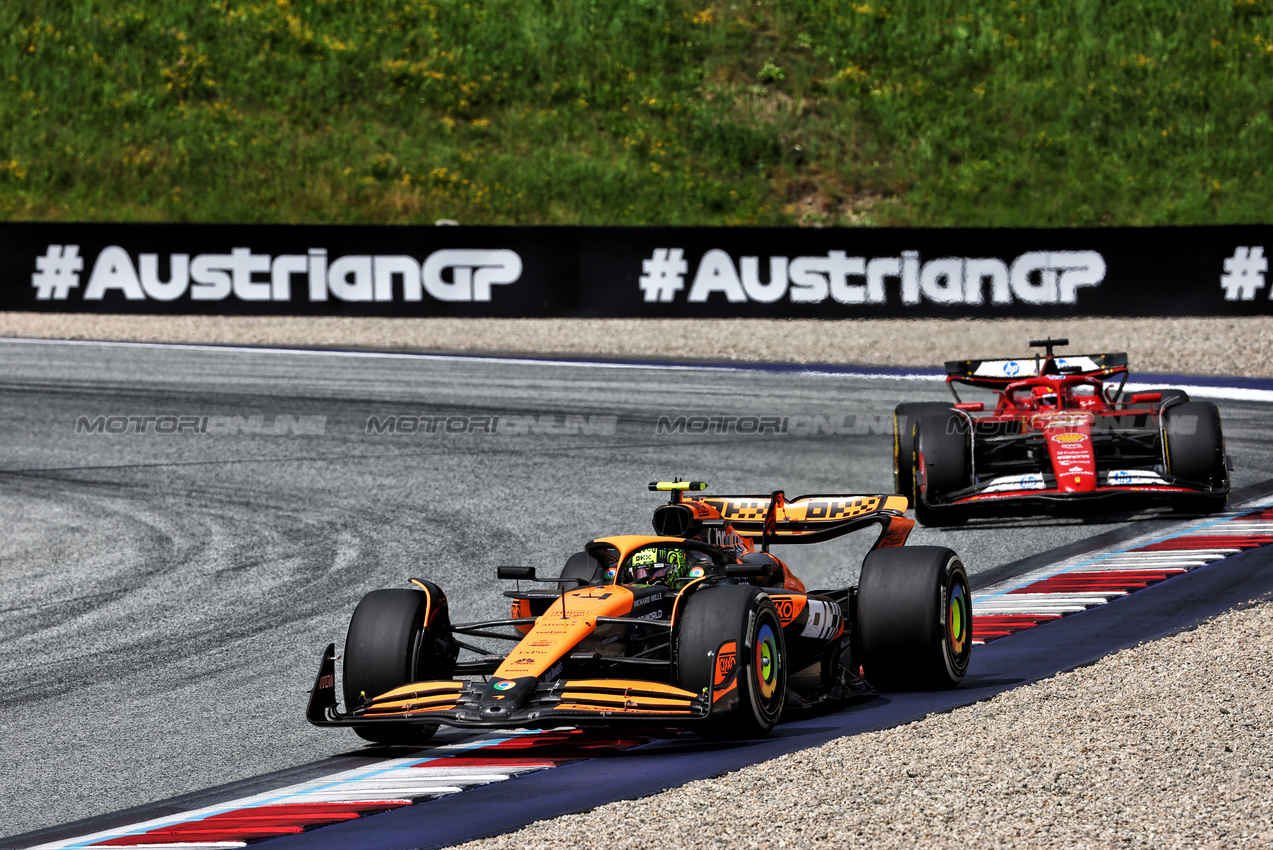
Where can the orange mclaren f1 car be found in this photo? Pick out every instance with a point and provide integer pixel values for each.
(693, 627)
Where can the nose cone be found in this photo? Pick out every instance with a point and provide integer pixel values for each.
(505, 696)
(1069, 441)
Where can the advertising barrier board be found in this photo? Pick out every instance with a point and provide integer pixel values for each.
(672, 272)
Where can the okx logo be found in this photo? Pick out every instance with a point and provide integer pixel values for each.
(1035, 277)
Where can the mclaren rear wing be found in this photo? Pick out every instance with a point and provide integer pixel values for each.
(774, 519)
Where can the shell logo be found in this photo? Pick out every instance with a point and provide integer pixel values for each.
(1069, 438)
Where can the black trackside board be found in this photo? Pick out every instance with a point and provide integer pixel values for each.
(652, 272)
(1066, 644)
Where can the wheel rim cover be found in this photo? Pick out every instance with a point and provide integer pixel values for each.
(957, 619)
(767, 661)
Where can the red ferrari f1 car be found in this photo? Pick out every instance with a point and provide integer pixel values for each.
(1063, 437)
(690, 628)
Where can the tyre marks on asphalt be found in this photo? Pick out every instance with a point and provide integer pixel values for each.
(1068, 587)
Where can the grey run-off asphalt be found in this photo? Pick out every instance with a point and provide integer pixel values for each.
(166, 594)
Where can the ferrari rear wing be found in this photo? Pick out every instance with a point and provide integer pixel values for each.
(992, 374)
(813, 518)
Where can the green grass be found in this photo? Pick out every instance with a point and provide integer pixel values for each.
(949, 112)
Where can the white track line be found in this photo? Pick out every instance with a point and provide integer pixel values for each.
(818, 370)
(403, 779)
(1227, 393)
(1008, 599)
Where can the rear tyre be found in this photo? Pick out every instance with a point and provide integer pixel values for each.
(729, 645)
(914, 610)
(396, 637)
(942, 456)
(1194, 447)
(904, 418)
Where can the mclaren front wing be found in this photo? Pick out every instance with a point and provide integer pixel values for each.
(502, 703)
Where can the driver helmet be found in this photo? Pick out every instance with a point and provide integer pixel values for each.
(658, 564)
(1044, 396)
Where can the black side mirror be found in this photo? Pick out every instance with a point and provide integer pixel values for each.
(521, 573)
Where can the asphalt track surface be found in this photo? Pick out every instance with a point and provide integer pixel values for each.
(166, 595)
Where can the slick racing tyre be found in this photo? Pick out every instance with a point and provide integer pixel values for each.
(1171, 397)
(584, 567)
(914, 611)
(728, 644)
(942, 465)
(904, 418)
(397, 637)
(1194, 450)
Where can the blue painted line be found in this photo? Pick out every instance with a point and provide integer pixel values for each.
(1068, 643)
(1096, 560)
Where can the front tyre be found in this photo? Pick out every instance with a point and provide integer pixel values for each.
(942, 465)
(396, 637)
(1170, 397)
(583, 567)
(1194, 451)
(914, 609)
(905, 417)
(729, 645)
